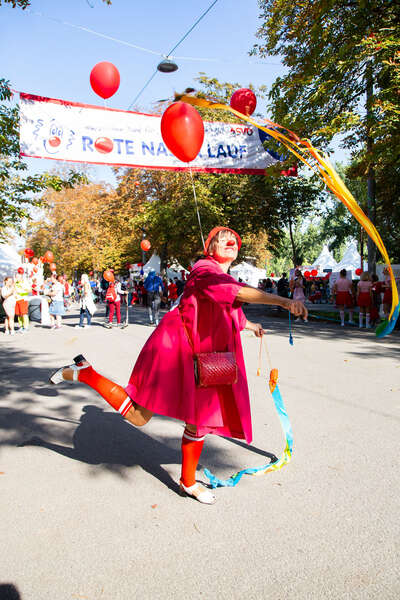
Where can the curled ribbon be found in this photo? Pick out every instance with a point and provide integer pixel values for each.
(320, 165)
(286, 427)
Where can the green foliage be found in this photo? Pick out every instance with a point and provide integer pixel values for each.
(343, 76)
(327, 47)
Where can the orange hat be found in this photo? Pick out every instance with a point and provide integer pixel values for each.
(214, 232)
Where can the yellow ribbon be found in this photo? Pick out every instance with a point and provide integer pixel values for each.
(319, 164)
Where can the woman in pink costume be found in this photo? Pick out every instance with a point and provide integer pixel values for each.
(208, 318)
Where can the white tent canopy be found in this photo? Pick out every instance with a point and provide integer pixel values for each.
(10, 260)
(351, 259)
(154, 263)
(325, 261)
(247, 273)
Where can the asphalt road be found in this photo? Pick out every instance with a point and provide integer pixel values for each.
(89, 504)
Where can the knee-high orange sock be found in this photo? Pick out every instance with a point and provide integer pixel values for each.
(192, 446)
(113, 393)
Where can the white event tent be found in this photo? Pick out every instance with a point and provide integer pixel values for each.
(351, 259)
(154, 263)
(324, 261)
(248, 273)
(10, 260)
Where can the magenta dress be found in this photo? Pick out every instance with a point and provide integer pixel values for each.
(162, 379)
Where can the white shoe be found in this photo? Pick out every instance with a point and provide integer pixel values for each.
(57, 376)
(79, 326)
(12, 332)
(7, 332)
(198, 492)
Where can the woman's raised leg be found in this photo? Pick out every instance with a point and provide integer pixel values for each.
(112, 393)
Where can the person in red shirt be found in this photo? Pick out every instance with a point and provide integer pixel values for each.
(376, 299)
(172, 292)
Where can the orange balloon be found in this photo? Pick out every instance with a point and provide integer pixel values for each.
(35, 260)
(48, 256)
(145, 245)
(109, 275)
(53, 267)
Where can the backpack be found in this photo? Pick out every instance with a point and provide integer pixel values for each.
(111, 294)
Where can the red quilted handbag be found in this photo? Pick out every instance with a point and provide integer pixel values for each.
(215, 368)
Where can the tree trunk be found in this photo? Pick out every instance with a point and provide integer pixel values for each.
(371, 183)
(294, 252)
(164, 258)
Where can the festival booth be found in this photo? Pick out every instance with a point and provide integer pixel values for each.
(154, 263)
(324, 262)
(10, 260)
(248, 273)
(351, 260)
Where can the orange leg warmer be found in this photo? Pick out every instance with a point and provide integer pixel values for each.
(113, 393)
(192, 446)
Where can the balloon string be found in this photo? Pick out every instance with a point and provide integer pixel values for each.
(197, 206)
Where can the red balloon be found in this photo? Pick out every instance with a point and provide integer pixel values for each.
(182, 130)
(314, 272)
(90, 273)
(29, 253)
(35, 270)
(35, 260)
(20, 270)
(359, 271)
(145, 245)
(272, 275)
(104, 79)
(109, 275)
(48, 256)
(53, 267)
(306, 273)
(244, 101)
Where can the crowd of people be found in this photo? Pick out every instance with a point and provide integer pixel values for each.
(368, 294)
(152, 292)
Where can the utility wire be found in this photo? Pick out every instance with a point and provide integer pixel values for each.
(142, 48)
(170, 52)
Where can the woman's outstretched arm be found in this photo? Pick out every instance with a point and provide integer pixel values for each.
(255, 296)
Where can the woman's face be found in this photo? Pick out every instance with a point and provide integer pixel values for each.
(225, 248)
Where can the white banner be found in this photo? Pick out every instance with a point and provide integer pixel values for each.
(69, 131)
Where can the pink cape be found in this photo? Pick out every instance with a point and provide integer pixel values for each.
(162, 379)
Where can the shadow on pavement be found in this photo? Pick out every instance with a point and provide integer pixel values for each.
(8, 591)
(275, 321)
(106, 439)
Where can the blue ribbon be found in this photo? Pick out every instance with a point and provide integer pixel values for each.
(272, 466)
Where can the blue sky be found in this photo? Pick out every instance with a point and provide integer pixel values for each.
(42, 55)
